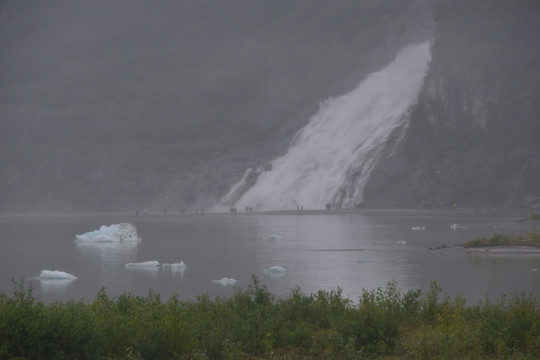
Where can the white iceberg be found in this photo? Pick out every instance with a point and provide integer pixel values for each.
(112, 233)
(56, 275)
(143, 265)
(418, 228)
(225, 281)
(275, 271)
(181, 266)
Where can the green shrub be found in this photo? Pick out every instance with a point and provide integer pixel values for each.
(31, 330)
(253, 324)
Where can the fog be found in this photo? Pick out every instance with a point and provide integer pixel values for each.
(117, 105)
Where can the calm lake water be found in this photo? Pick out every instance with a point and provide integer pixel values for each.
(354, 251)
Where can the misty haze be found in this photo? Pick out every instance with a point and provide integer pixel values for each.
(114, 106)
(185, 146)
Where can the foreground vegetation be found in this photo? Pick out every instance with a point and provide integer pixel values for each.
(253, 324)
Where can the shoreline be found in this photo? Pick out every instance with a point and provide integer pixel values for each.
(177, 213)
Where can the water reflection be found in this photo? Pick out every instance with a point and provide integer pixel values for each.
(108, 254)
(55, 285)
(351, 251)
(326, 252)
(357, 252)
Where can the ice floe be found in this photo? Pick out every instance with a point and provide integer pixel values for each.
(113, 233)
(56, 275)
(143, 265)
(225, 281)
(275, 271)
(273, 237)
(181, 266)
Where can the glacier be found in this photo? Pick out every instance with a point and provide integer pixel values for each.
(123, 232)
(330, 159)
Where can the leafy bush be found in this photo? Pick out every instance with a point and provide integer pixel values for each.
(254, 324)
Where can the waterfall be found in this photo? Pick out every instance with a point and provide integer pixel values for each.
(331, 158)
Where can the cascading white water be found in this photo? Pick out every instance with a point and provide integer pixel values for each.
(331, 158)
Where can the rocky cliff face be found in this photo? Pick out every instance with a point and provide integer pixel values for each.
(113, 105)
(117, 105)
(474, 136)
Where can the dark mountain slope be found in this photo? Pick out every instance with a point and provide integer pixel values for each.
(112, 105)
(474, 137)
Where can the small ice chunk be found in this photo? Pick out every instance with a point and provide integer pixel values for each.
(56, 275)
(418, 228)
(181, 266)
(112, 233)
(276, 271)
(225, 281)
(143, 265)
(273, 237)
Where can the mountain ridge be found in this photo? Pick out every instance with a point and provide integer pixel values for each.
(113, 106)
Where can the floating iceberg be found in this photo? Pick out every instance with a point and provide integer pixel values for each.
(143, 265)
(275, 271)
(225, 281)
(113, 233)
(56, 275)
(174, 267)
(273, 237)
(418, 228)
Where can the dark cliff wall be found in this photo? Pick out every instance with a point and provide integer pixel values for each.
(112, 105)
(474, 136)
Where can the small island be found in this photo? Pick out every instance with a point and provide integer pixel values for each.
(530, 239)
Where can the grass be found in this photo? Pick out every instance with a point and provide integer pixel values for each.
(253, 324)
(505, 240)
(531, 238)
